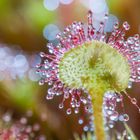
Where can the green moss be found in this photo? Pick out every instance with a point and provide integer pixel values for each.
(95, 66)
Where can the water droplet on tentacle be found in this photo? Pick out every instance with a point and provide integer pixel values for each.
(68, 111)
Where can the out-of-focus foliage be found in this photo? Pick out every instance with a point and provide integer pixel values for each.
(22, 23)
(127, 10)
(23, 100)
(31, 13)
(36, 14)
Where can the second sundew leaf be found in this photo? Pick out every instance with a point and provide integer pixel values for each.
(130, 132)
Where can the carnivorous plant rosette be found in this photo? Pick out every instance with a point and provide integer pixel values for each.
(92, 62)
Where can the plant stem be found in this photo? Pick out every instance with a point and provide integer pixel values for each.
(97, 103)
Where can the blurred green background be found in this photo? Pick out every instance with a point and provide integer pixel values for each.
(25, 28)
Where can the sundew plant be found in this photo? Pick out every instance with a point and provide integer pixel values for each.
(19, 129)
(93, 68)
